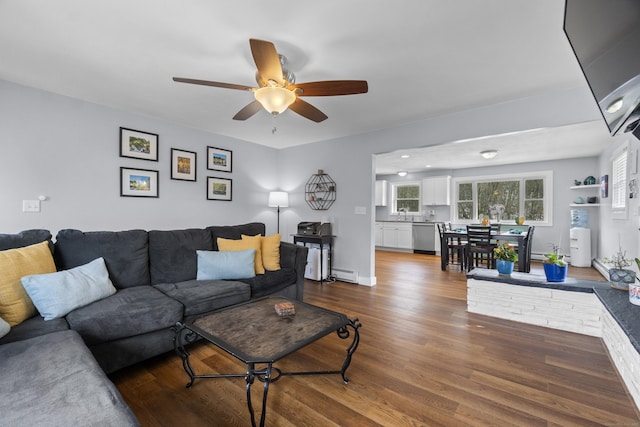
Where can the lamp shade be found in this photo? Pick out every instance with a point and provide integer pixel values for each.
(275, 99)
(278, 199)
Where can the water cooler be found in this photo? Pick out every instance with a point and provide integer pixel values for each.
(580, 239)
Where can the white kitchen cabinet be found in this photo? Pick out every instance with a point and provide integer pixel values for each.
(436, 190)
(397, 235)
(381, 192)
(379, 234)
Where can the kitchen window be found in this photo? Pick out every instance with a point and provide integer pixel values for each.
(406, 198)
(504, 198)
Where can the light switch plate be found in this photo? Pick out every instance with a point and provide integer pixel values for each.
(31, 206)
(361, 210)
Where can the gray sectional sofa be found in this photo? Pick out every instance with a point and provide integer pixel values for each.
(154, 273)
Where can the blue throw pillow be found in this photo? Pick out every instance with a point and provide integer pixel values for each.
(219, 265)
(56, 294)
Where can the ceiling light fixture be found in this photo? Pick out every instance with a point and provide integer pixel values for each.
(489, 154)
(275, 99)
(405, 156)
(615, 106)
(402, 173)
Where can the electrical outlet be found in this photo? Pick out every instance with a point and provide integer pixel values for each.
(31, 206)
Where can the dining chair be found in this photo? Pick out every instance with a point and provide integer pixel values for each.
(456, 247)
(480, 247)
(525, 258)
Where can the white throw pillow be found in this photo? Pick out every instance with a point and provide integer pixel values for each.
(4, 327)
(56, 294)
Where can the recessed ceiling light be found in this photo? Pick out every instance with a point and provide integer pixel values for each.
(427, 166)
(402, 173)
(615, 106)
(405, 156)
(489, 154)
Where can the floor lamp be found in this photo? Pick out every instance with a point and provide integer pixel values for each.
(278, 199)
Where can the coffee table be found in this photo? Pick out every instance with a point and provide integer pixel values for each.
(254, 334)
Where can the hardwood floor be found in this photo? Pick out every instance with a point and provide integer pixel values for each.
(422, 361)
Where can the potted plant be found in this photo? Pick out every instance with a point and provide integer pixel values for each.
(619, 276)
(555, 267)
(505, 256)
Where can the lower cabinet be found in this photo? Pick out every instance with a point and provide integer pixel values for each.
(395, 235)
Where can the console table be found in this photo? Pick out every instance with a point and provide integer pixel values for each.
(321, 241)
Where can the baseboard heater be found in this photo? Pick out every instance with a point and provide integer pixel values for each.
(345, 275)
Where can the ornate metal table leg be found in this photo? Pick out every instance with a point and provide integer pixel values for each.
(343, 333)
(265, 376)
(183, 336)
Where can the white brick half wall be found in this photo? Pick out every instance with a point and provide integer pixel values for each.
(579, 312)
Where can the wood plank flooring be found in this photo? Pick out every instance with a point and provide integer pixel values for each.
(422, 361)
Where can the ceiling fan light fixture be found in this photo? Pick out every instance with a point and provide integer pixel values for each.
(489, 154)
(275, 99)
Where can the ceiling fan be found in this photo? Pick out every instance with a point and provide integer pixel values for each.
(278, 91)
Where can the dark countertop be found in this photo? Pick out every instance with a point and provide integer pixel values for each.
(615, 301)
(626, 314)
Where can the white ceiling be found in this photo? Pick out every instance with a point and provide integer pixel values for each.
(422, 59)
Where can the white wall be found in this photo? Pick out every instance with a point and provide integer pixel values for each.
(68, 150)
(620, 232)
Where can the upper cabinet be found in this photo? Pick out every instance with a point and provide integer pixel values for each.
(436, 190)
(381, 192)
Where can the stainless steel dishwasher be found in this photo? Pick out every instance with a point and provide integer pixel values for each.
(424, 238)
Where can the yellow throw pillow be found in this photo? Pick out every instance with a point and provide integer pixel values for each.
(252, 242)
(15, 304)
(270, 246)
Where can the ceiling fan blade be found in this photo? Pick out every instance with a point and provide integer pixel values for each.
(248, 111)
(267, 60)
(307, 110)
(331, 88)
(214, 84)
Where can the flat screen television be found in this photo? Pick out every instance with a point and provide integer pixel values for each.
(605, 37)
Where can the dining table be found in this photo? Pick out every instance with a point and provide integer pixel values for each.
(506, 235)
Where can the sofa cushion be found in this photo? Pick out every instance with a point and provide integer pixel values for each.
(235, 232)
(125, 253)
(173, 253)
(130, 311)
(56, 294)
(271, 281)
(221, 265)
(270, 251)
(34, 327)
(202, 296)
(53, 380)
(250, 242)
(15, 304)
(25, 238)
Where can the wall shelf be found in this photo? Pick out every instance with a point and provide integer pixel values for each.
(584, 205)
(320, 191)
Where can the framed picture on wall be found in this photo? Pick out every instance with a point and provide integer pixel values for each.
(218, 189)
(138, 183)
(138, 144)
(219, 159)
(183, 165)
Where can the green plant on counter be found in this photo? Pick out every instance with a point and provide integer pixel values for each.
(504, 252)
(555, 257)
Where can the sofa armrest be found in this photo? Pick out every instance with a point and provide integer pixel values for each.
(294, 256)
